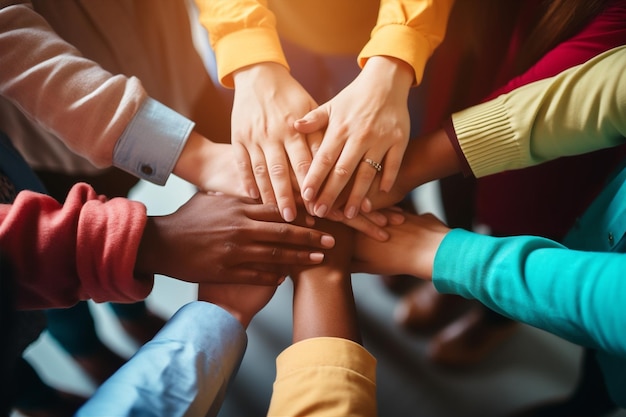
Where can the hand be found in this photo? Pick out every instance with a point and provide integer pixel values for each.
(242, 301)
(209, 166)
(427, 158)
(411, 248)
(267, 103)
(368, 119)
(371, 224)
(226, 239)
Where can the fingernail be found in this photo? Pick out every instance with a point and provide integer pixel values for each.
(321, 210)
(316, 257)
(328, 241)
(308, 194)
(351, 212)
(288, 215)
(383, 235)
(253, 193)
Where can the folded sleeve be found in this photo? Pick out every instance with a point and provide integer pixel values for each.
(83, 249)
(325, 377)
(409, 31)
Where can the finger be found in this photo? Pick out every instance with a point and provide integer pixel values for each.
(267, 229)
(316, 119)
(393, 160)
(365, 226)
(338, 178)
(245, 168)
(261, 175)
(323, 162)
(379, 218)
(300, 157)
(259, 274)
(277, 254)
(279, 174)
(363, 180)
(314, 140)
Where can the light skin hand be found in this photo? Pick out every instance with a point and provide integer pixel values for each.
(371, 224)
(368, 119)
(268, 100)
(241, 301)
(208, 165)
(411, 248)
(226, 239)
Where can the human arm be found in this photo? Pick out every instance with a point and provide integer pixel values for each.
(62, 91)
(325, 371)
(527, 126)
(573, 294)
(187, 367)
(90, 248)
(267, 100)
(369, 118)
(184, 370)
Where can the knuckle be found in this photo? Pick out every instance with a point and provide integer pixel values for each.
(259, 170)
(302, 167)
(341, 171)
(278, 170)
(324, 159)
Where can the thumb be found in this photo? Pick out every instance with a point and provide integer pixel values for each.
(313, 121)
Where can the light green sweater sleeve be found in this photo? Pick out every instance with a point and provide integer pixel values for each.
(572, 113)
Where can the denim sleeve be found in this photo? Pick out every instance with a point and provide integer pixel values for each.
(152, 142)
(183, 371)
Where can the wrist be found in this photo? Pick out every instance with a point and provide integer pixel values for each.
(250, 75)
(399, 73)
(145, 259)
(205, 294)
(428, 158)
(194, 157)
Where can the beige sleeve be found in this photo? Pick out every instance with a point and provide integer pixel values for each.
(72, 97)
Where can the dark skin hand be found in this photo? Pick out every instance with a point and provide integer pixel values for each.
(226, 239)
(240, 300)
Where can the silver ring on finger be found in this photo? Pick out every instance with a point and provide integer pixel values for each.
(376, 165)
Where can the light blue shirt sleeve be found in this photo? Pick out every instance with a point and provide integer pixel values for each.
(152, 142)
(183, 371)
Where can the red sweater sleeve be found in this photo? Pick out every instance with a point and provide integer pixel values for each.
(83, 249)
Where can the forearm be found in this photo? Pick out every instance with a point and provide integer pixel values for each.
(324, 305)
(427, 158)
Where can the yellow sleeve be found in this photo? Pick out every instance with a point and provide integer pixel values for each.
(242, 32)
(325, 376)
(409, 30)
(577, 111)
